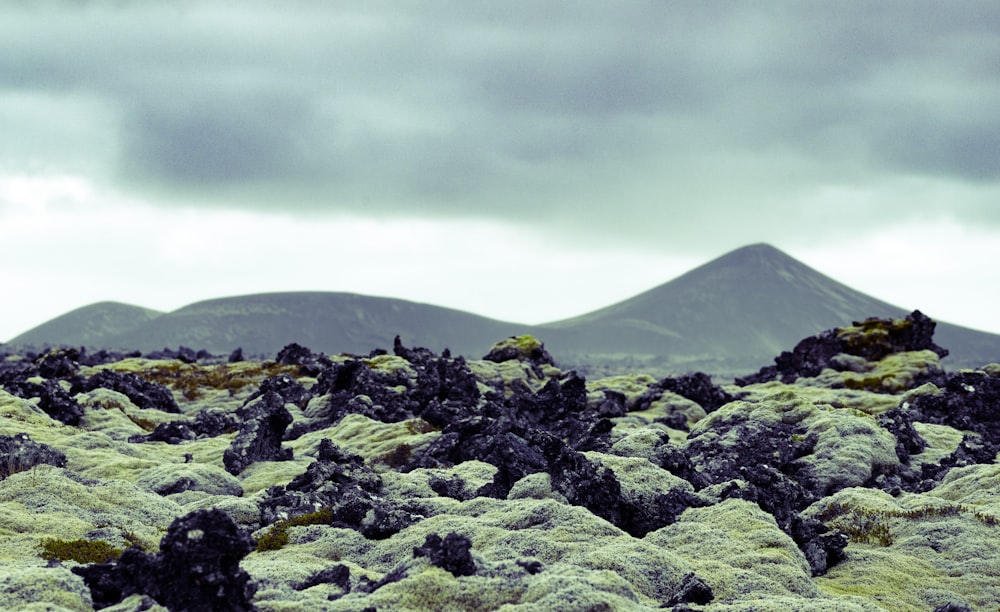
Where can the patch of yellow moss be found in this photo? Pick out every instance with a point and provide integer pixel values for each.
(190, 380)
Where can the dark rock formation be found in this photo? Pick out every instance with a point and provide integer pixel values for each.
(59, 363)
(344, 485)
(692, 590)
(699, 388)
(339, 575)
(196, 569)
(442, 390)
(183, 353)
(53, 399)
(143, 393)
(310, 364)
(206, 424)
(872, 339)
(451, 553)
(289, 389)
(522, 348)
(19, 453)
(763, 457)
(264, 421)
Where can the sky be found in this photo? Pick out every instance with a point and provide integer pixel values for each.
(525, 160)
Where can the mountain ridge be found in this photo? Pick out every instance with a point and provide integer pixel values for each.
(733, 313)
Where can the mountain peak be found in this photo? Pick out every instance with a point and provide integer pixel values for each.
(758, 252)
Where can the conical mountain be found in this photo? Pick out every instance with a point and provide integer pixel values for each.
(89, 325)
(745, 306)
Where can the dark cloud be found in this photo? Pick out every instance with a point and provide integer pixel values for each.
(597, 116)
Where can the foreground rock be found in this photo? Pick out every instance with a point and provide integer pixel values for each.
(854, 475)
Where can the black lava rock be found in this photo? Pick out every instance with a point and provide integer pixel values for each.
(290, 390)
(53, 399)
(339, 575)
(206, 424)
(875, 339)
(692, 590)
(143, 393)
(263, 424)
(197, 568)
(524, 348)
(19, 453)
(59, 363)
(310, 364)
(699, 388)
(451, 553)
(344, 485)
(183, 354)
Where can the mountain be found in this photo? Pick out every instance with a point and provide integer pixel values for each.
(729, 316)
(735, 311)
(89, 326)
(329, 322)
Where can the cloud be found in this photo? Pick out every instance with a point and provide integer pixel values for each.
(648, 121)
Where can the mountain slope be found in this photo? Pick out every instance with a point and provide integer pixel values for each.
(328, 322)
(735, 312)
(89, 325)
(750, 303)
(731, 315)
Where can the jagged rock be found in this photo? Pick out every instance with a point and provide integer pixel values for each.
(183, 353)
(264, 421)
(521, 348)
(310, 364)
(196, 569)
(289, 389)
(53, 399)
(19, 453)
(692, 590)
(450, 554)
(872, 340)
(206, 424)
(699, 388)
(143, 393)
(60, 363)
(339, 575)
(294, 354)
(342, 484)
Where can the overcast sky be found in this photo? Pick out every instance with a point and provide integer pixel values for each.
(524, 160)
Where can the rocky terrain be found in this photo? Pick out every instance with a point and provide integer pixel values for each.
(852, 474)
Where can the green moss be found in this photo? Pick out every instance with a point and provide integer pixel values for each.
(873, 335)
(81, 551)
(277, 536)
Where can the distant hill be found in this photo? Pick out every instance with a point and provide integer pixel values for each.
(729, 316)
(90, 325)
(328, 322)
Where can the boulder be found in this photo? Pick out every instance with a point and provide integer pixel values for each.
(264, 421)
(196, 569)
